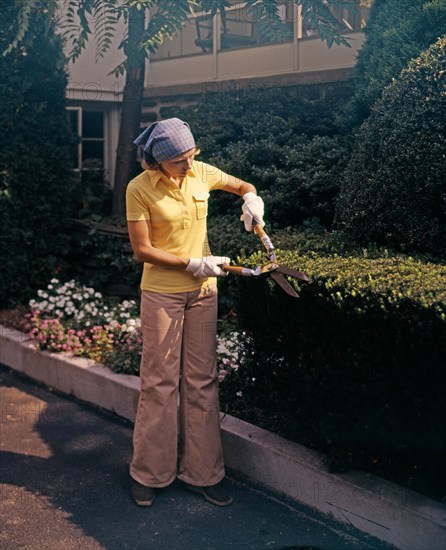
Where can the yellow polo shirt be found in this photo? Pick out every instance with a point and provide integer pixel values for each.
(178, 221)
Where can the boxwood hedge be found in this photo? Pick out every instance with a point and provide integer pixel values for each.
(355, 366)
(394, 189)
(396, 32)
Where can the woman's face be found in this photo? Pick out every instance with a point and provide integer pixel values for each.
(178, 167)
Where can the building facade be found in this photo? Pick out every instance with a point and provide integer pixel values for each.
(209, 55)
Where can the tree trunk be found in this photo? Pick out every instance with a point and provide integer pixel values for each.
(129, 129)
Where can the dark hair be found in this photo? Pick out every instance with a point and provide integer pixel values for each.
(154, 164)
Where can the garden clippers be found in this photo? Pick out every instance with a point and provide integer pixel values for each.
(272, 268)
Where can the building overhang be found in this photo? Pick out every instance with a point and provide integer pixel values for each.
(313, 77)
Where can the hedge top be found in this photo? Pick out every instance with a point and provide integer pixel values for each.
(386, 282)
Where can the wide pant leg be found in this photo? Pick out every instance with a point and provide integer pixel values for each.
(179, 342)
(201, 455)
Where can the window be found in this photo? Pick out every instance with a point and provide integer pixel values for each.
(353, 18)
(239, 28)
(88, 127)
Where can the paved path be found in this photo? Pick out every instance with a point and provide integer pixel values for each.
(64, 485)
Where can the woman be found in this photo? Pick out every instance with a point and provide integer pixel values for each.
(166, 214)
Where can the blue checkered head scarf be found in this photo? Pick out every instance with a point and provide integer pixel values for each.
(166, 139)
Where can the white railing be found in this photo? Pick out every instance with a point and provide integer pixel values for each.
(261, 61)
(186, 60)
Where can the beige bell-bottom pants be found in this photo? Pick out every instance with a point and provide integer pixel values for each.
(177, 427)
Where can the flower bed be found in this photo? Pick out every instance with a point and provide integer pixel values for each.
(73, 318)
(69, 317)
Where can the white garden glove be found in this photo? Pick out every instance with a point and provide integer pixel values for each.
(208, 266)
(253, 208)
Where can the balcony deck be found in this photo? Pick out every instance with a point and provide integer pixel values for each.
(288, 62)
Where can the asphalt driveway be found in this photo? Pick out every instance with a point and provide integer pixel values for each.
(64, 485)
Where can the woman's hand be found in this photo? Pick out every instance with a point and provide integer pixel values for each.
(253, 208)
(208, 266)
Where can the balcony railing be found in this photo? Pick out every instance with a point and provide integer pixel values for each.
(211, 49)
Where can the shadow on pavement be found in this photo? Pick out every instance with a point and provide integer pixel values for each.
(65, 484)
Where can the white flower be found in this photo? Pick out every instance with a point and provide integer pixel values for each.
(128, 327)
(239, 394)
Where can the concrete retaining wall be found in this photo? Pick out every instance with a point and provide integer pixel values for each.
(382, 509)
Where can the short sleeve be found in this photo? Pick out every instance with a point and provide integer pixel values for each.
(137, 208)
(213, 177)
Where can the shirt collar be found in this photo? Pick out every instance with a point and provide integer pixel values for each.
(156, 175)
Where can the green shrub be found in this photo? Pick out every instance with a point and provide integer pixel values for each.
(311, 236)
(283, 140)
(92, 194)
(394, 191)
(355, 366)
(34, 158)
(227, 236)
(100, 256)
(306, 185)
(397, 31)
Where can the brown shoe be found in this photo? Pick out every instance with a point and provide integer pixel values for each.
(216, 494)
(142, 495)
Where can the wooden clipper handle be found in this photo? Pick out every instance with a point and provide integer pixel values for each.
(261, 233)
(238, 270)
